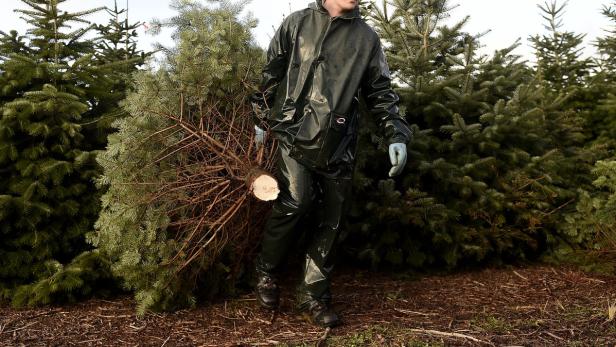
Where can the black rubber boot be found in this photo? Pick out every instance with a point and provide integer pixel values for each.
(320, 314)
(267, 292)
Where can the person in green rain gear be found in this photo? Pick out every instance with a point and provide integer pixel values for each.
(320, 62)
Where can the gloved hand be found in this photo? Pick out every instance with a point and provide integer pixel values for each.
(259, 136)
(397, 156)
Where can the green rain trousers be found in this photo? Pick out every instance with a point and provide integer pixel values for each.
(300, 186)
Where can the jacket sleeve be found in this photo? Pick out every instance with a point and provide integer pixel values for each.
(382, 100)
(271, 75)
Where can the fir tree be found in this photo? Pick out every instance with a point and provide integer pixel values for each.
(606, 45)
(600, 94)
(559, 53)
(215, 54)
(48, 200)
(571, 87)
(594, 210)
(594, 215)
(491, 165)
(115, 51)
(11, 43)
(443, 97)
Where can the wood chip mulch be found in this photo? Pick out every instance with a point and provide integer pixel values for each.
(531, 306)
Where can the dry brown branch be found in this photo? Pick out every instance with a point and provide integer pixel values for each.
(213, 179)
(441, 333)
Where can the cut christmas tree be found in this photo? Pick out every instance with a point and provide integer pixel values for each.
(180, 216)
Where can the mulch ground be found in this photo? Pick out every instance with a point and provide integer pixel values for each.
(533, 306)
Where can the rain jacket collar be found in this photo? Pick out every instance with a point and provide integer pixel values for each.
(318, 6)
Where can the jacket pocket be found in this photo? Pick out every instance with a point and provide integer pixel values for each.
(335, 139)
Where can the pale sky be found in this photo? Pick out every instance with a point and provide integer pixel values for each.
(507, 19)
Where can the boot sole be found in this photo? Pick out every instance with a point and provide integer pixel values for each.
(307, 317)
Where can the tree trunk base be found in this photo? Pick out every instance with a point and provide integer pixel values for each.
(262, 185)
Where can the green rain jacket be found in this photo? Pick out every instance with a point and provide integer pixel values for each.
(317, 69)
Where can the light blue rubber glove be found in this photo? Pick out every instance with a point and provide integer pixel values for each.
(397, 156)
(259, 136)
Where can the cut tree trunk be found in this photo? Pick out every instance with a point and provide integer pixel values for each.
(262, 185)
